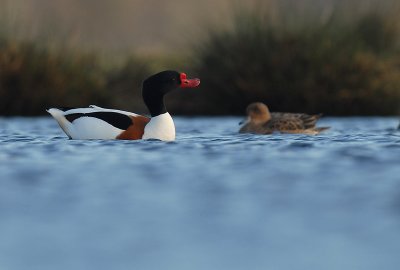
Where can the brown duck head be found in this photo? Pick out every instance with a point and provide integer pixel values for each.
(258, 113)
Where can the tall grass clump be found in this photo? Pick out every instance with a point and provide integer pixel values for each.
(337, 67)
(34, 77)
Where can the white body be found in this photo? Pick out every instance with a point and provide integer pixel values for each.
(160, 127)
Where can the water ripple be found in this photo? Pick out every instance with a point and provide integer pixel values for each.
(213, 195)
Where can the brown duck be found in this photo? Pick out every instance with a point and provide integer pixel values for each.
(261, 121)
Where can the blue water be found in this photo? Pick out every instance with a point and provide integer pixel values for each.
(213, 199)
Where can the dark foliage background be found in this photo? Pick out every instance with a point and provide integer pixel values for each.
(291, 55)
(350, 69)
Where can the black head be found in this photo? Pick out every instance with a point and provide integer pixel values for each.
(157, 85)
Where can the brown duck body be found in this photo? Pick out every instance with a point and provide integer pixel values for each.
(261, 121)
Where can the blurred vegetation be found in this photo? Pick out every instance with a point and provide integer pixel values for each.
(337, 68)
(329, 60)
(35, 77)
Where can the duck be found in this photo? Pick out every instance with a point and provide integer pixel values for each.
(261, 121)
(97, 123)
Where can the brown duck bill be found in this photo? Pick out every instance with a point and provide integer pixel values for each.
(188, 83)
(244, 121)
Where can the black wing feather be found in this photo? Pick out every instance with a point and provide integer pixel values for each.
(64, 109)
(115, 119)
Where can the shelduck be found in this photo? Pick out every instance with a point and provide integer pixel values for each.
(96, 122)
(261, 121)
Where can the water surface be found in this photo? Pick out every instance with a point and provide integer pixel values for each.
(213, 199)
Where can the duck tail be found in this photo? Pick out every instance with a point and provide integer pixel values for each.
(321, 129)
(61, 120)
(310, 121)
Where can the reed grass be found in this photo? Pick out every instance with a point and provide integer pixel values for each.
(337, 67)
(34, 77)
(339, 58)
